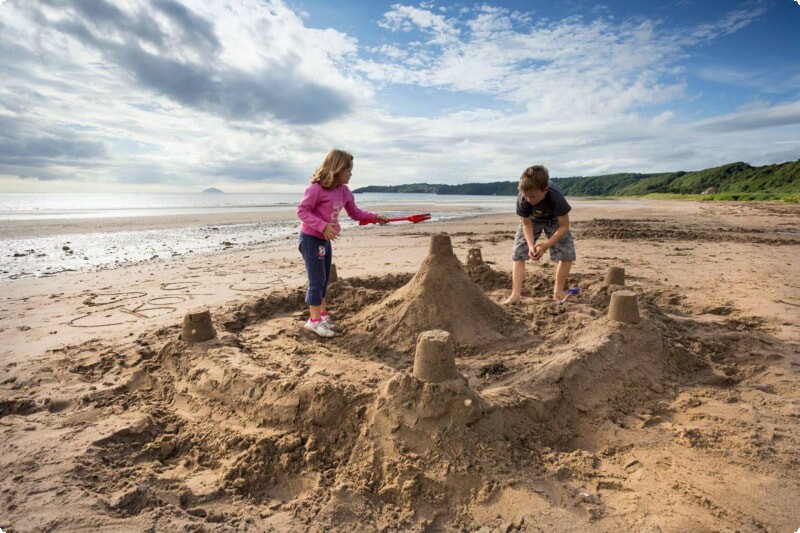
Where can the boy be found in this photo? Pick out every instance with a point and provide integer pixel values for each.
(541, 206)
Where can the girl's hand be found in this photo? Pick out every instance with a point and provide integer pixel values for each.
(329, 232)
(382, 220)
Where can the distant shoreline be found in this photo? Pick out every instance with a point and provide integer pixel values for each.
(732, 182)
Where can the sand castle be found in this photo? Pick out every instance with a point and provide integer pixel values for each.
(307, 432)
(440, 296)
(279, 421)
(591, 421)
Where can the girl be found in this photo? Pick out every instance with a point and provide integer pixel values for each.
(319, 211)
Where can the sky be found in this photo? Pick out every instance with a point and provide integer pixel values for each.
(249, 95)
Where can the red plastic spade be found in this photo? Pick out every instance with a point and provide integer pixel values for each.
(413, 218)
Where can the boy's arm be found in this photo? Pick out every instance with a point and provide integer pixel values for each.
(527, 230)
(563, 228)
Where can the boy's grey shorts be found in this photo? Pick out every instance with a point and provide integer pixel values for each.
(564, 250)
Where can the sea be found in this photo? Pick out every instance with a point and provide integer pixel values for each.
(30, 257)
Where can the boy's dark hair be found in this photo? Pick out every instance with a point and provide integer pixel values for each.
(534, 178)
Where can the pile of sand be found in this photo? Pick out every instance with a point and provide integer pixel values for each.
(440, 296)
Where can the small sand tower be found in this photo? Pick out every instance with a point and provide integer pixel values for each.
(440, 296)
(334, 277)
(435, 360)
(440, 245)
(614, 276)
(624, 307)
(474, 258)
(197, 326)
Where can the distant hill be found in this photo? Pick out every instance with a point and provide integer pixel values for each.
(734, 181)
(497, 187)
(212, 190)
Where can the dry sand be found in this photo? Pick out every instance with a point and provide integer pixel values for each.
(688, 420)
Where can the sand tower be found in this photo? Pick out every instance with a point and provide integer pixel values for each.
(474, 258)
(435, 392)
(624, 307)
(615, 276)
(439, 296)
(197, 326)
(434, 359)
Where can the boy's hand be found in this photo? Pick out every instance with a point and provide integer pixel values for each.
(539, 250)
(329, 232)
(533, 253)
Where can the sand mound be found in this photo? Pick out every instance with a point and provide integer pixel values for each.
(439, 296)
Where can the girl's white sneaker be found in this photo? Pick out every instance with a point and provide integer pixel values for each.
(320, 328)
(328, 322)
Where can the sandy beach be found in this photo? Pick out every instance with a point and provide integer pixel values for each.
(685, 420)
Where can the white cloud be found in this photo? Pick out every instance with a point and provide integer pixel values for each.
(408, 18)
(250, 69)
(157, 93)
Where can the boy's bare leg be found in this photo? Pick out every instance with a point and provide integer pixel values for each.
(562, 273)
(517, 276)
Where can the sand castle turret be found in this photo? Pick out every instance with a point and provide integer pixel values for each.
(474, 258)
(435, 391)
(440, 296)
(624, 307)
(440, 245)
(434, 359)
(197, 326)
(615, 276)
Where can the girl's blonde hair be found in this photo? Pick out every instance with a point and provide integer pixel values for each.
(336, 161)
(535, 178)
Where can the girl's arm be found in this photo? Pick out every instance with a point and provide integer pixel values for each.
(305, 209)
(354, 212)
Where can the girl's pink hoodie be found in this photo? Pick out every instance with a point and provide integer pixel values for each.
(320, 206)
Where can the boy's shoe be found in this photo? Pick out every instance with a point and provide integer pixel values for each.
(328, 322)
(320, 328)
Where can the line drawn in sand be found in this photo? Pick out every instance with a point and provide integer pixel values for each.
(179, 285)
(151, 308)
(247, 286)
(111, 298)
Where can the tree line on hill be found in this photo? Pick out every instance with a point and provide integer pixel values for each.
(734, 181)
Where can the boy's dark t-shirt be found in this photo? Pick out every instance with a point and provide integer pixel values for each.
(551, 207)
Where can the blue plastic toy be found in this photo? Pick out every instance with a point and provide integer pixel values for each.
(570, 292)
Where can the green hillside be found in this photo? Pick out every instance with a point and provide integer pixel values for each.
(734, 181)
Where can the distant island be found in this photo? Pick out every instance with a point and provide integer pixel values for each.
(734, 181)
(212, 190)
